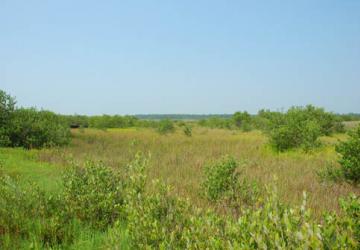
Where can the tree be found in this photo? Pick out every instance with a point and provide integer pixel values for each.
(242, 120)
(7, 108)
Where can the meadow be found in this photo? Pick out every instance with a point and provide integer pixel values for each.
(179, 160)
(271, 181)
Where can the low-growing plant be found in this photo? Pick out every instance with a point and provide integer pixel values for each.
(331, 173)
(223, 183)
(93, 194)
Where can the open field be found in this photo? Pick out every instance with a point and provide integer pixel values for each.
(179, 160)
(176, 159)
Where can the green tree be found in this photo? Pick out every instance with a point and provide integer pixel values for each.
(7, 108)
(242, 120)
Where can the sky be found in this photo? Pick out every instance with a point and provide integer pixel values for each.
(199, 57)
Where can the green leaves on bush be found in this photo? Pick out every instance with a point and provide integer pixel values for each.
(350, 156)
(187, 129)
(93, 194)
(242, 120)
(165, 126)
(300, 127)
(35, 129)
(30, 128)
(223, 183)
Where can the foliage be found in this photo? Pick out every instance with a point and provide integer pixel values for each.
(223, 183)
(159, 219)
(165, 126)
(187, 129)
(242, 120)
(350, 156)
(300, 127)
(216, 122)
(93, 194)
(331, 173)
(7, 107)
(29, 128)
(35, 129)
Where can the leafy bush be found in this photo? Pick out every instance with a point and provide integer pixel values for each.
(242, 120)
(350, 156)
(30, 128)
(26, 212)
(300, 127)
(35, 129)
(187, 130)
(93, 194)
(166, 126)
(223, 183)
(158, 221)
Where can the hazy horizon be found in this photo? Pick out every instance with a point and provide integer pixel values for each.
(161, 57)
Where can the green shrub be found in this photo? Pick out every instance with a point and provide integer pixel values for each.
(242, 120)
(28, 213)
(165, 126)
(300, 127)
(93, 194)
(350, 156)
(35, 129)
(187, 129)
(223, 183)
(30, 128)
(157, 221)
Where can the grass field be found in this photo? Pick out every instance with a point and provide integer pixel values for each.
(176, 159)
(179, 160)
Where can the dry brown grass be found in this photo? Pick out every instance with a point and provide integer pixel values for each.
(179, 160)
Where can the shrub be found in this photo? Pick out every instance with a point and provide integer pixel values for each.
(242, 120)
(35, 129)
(299, 127)
(30, 128)
(166, 126)
(26, 212)
(223, 183)
(93, 194)
(157, 221)
(350, 156)
(187, 129)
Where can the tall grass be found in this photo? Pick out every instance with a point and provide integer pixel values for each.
(179, 161)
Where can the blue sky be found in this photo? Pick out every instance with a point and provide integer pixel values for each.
(129, 57)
